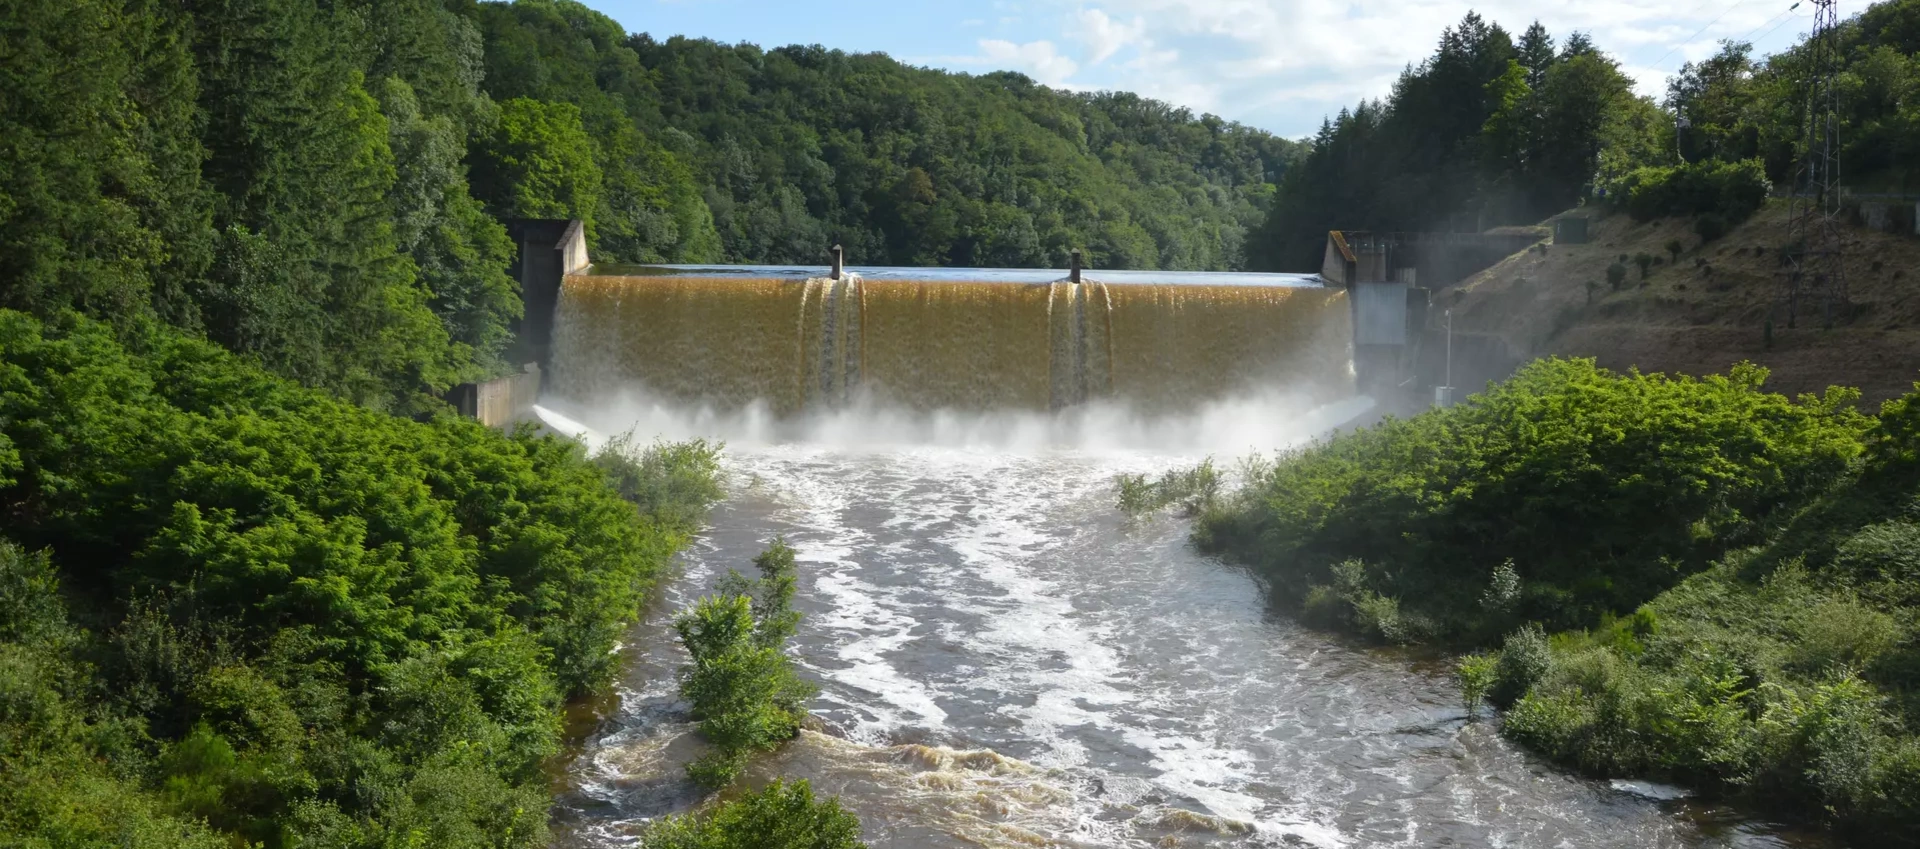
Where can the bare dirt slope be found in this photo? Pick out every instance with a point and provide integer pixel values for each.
(1706, 311)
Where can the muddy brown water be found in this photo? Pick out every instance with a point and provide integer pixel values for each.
(1005, 661)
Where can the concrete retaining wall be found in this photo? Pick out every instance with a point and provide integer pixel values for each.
(499, 402)
(548, 251)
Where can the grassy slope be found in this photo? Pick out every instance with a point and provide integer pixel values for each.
(1696, 321)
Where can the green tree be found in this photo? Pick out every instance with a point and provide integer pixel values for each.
(782, 816)
(101, 206)
(461, 253)
(537, 162)
(741, 684)
(315, 622)
(308, 275)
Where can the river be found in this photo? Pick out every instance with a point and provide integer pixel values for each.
(1004, 660)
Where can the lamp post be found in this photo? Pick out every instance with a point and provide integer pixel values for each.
(1443, 395)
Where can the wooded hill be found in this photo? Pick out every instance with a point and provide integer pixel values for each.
(1493, 130)
(318, 183)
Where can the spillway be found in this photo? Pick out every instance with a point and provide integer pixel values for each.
(929, 339)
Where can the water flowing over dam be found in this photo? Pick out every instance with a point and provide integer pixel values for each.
(962, 339)
(1004, 660)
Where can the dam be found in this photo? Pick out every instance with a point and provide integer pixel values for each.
(796, 339)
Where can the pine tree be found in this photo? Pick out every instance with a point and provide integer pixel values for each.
(1536, 54)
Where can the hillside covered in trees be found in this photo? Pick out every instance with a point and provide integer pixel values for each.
(1493, 129)
(318, 184)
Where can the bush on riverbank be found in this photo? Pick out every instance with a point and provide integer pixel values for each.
(1193, 490)
(1560, 496)
(1788, 672)
(291, 619)
(741, 683)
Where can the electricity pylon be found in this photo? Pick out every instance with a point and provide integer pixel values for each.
(1816, 271)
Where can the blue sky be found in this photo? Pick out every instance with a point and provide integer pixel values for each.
(1281, 65)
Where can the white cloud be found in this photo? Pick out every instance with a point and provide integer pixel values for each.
(1038, 59)
(1105, 36)
(1285, 64)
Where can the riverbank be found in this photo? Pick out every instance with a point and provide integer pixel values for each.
(1725, 577)
(236, 610)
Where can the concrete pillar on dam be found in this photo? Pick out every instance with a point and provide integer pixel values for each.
(546, 250)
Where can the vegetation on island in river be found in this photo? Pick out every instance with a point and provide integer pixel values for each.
(781, 816)
(233, 609)
(1690, 579)
(741, 684)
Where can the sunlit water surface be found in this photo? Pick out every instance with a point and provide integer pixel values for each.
(1005, 661)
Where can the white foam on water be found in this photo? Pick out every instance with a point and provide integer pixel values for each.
(984, 533)
(1650, 790)
(1256, 422)
(982, 488)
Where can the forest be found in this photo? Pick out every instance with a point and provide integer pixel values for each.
(1494, 130)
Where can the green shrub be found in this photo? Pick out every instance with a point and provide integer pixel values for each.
(1524, 660)
(1842, 634)
(741, 684)
(1710, 227)
(676, 482)
(1616, 275)
(1477, 674)
(1732, 190)
(1135, 494)
(1602, 490)
(314, 620)
(1645, 262)
(1192, 490)
(782, 816)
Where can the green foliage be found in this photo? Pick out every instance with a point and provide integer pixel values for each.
(333, 625)
(1645, 261)
(1785, 673)
(1711, 226)
(538, 163)
(1481, 133)
(787, 150)
(1674, 247)
(782, 816)
(1731, 190)
(676, 482)
(1524, 660)
(742, 686)
(1477, 674)
(1616, 275)
(101, 207)
(1194, 490)
(1600, 489)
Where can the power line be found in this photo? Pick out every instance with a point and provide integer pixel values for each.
(1737, 4)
